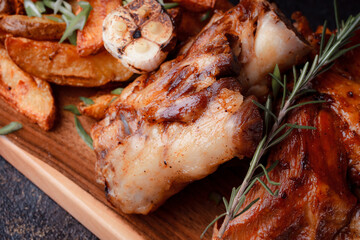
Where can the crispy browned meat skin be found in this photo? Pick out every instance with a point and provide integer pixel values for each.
(314, 199)
(352, 231)
(179, 124)
(342, 86)
(344, 98)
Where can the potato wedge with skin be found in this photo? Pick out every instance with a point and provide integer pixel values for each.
(60, 63)
(30, 96)
(89, 40)
(197, 5)
(37, 28)
(97, 110)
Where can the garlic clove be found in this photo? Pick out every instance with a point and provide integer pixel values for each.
(118, 27)
(143, 55)
(159, 29)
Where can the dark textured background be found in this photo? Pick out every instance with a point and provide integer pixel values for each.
(27, 213)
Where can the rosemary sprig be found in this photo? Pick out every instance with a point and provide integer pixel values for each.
(321, 63)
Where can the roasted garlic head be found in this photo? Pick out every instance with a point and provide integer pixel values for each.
(140, 34)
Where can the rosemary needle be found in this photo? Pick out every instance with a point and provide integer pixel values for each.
(87, 101)
(11, 127)
(321, 63)
(83, 134)
(72, 108)
(117, 91)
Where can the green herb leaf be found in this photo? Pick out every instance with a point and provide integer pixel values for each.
(87, 101)
(73, 38)
(284, 93)
(265, 109)
(275, 82)
(226, 204)
(247, 207)
(40, 6)
(57, 6)
(81, 131)
(72, 108)
(267, 175)
(67, 6)
(212, 223)
(125, 2)
(117, 91)
(305, 103)
(11, 127)
(65, 10)
(31, 9)
(170, 5)
(268, 105)
(55, 19)
(77, 22)
(205, 16)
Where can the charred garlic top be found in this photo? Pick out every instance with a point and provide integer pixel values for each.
(140, 34)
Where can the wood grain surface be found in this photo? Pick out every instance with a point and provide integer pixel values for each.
(100, 219)
(184, 216)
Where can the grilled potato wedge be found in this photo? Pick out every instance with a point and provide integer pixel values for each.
(97, 110)
(30, 96)
(89, 40)
(32, 27)
(61, 64)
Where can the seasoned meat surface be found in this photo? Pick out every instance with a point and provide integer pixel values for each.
(317, 168)
(344, 98)
(314, 199)
(352, 231)
(177, 125)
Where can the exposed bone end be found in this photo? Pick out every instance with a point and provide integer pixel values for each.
(143, 56)
(275, 43)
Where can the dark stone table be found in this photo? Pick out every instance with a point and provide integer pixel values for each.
(27, 213)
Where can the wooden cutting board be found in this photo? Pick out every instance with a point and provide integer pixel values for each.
(62, 165)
